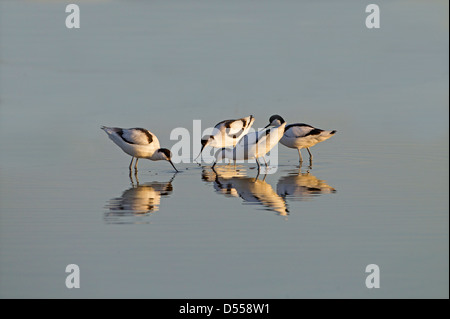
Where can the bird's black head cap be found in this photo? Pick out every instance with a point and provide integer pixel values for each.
(206, 139)
(166, 152)
(276, 117)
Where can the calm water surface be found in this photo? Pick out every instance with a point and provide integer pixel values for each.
(376, 193)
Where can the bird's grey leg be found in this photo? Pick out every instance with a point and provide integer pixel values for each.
(256, 177)
(131, 163)
(310, 155)
(136, 176)
(300, 156)
(135, 164)
(257, 162)
(309, 166)
(265, 161)
(131, 179)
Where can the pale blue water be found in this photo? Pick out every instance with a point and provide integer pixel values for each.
(377, 192)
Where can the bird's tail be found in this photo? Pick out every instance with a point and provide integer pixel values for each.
(106, 129)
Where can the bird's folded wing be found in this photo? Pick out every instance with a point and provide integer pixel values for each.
(234, 127)
(138, 136)
(300, 130)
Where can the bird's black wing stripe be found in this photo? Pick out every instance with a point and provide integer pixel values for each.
(287, 127)
(227, 123)
(315, 131)
(120, 133)
(244, 122)
(147, 133)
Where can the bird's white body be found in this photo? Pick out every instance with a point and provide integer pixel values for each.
(303, 136)
(138, 143)
(254, 144)
(300, 135)
(135, 142)
(227, 133)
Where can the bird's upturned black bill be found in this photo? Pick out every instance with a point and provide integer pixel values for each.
(203, 146)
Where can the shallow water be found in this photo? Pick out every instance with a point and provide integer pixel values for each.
(376, 192)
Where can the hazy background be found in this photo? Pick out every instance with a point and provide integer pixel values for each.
(161, 64)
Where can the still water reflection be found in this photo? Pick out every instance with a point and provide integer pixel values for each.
(300, 186)
(233, 182)
(296, 185)
(138, 202)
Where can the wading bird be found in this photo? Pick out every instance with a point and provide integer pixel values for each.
(138, 143)
(300, 135)
(227, 133)
(253, 146)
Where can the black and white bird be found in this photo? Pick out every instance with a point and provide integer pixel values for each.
(253, 146)
(138, 143)
(300, 135)
(227, 133)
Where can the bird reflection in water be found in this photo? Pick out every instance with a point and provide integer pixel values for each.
(234, 182)
(302, 186)
(137, 202)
